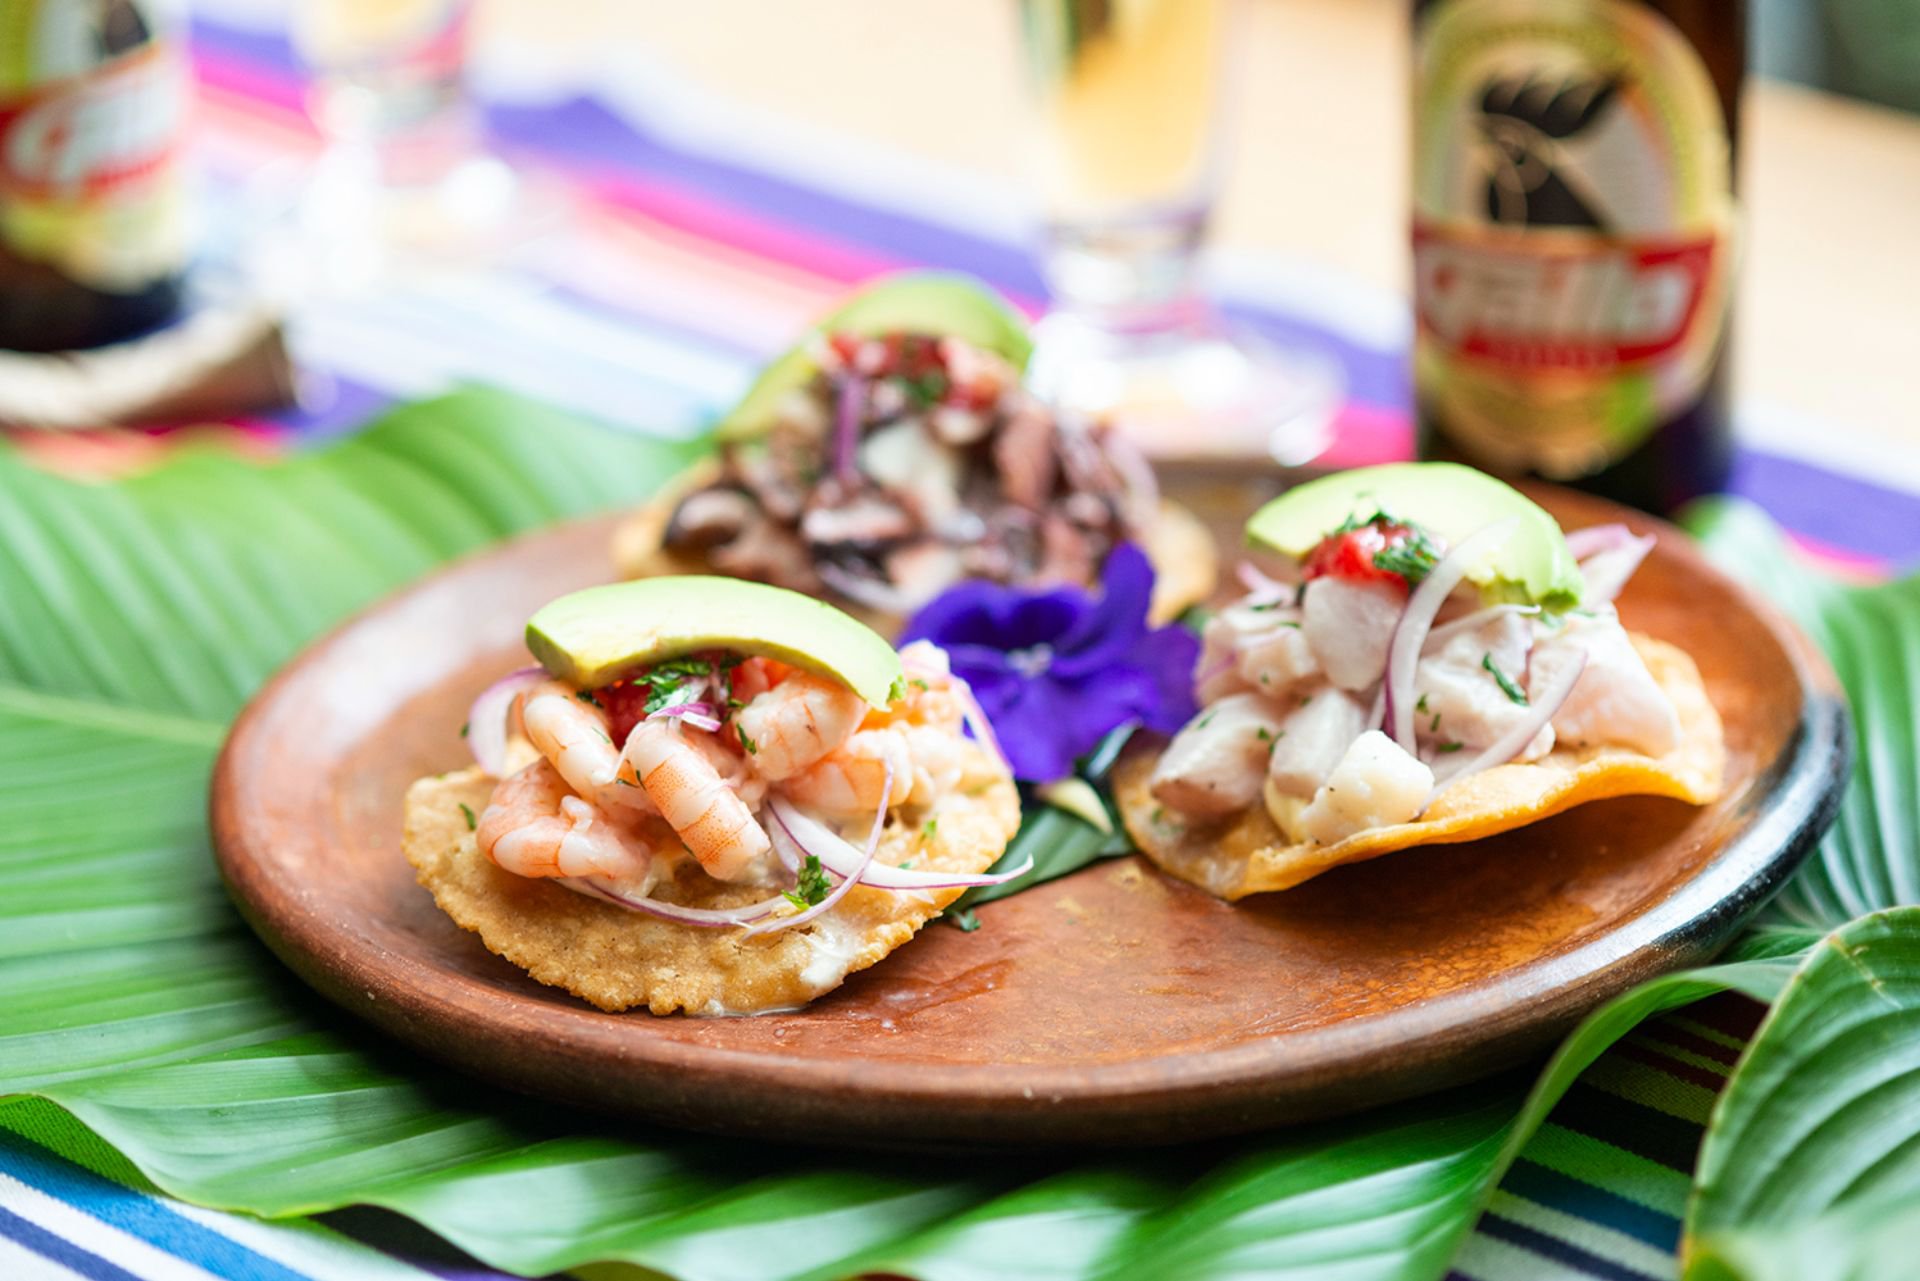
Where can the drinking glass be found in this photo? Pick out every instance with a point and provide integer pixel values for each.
(1126, 150)
(405, 177)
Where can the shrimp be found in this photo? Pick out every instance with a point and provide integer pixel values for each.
(797, 722)
(849, 779)
(534, 826)
(930, 697)
(574, 736)
(716, 825)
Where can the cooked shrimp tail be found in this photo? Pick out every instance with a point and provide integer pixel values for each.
(710, 817)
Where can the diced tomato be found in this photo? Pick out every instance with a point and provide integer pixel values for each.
(1350, 555)
(625, 703)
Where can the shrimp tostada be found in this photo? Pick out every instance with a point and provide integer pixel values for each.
(1442, 664)
(893, 452)
(713, 796)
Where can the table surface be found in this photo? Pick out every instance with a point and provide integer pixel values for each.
(1829, 311)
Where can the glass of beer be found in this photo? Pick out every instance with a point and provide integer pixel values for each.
(1126, 150)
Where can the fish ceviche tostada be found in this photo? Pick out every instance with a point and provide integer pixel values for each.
(1440, 663)
(894, 451)
(712, 796)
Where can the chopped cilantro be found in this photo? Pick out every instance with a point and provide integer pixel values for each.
(586, 696)
(812, 887)
(464, 729)
(1204, 721)
(1265, 735)
(1413, 558)
(929, 828)
(919, 684)
(965, 921)
(1421, 706)
(753, 748)
(1433, 726)
(927, 389)
(674, 682)
(1449, 747)
(1513, 692)
(468, 811)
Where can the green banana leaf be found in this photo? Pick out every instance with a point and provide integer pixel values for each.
(1811, 1169)
(138, 616)
(1871, 857)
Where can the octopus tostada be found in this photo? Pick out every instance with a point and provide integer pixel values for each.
(712, 796)
(1438, 663)
(894, 452)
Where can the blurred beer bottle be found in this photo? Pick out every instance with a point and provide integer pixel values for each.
(93, 220)
(1575, 239)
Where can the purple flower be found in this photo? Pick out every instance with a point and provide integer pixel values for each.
(1057, 670)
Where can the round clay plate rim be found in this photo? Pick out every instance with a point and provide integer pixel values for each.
(456, 1018)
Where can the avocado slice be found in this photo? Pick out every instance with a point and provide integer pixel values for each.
(592, 637)
(915, 302)
(1446, 499)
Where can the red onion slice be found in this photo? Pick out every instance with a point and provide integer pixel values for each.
(487, 718)
(1595, 539)
(915, 661)
(1542, 709)
(811, 836)
(1606, 572)
(845, 887)
(708, 917)
(697, 714)
(1261, 587)
(850, 401)
(1410, 633)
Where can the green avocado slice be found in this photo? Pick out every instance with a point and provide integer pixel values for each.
(592, 637)
(917, 302)
(1446, 499)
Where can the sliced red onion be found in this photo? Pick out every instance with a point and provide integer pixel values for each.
(1606, 572)
(846, 427)
(1541, 710)
(1261, 587)
(487, 718)
(1218, 668)
(1410, 633)
(975, 718)
(1477, 618)
(846, 885)
(708, 917)
(811, 836)
(1596, 539)
(697, 714)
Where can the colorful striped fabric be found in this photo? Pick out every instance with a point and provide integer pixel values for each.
(698, 241)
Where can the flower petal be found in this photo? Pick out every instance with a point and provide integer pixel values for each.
(1107, 631)
(1028, 718)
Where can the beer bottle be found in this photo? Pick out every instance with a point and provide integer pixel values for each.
(93, 236)
(1574, 239)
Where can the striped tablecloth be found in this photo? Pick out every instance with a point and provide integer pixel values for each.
(698, 240)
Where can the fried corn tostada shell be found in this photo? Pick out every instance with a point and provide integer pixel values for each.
(1248, 853)
(618, 959)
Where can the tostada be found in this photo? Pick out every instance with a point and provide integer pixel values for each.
(1437, 663)
(711, 796)
(894, 451)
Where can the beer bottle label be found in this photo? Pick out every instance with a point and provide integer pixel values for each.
(92, 106)
(1573, 219)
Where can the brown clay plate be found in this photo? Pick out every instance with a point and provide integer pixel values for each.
(1113, 1005)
